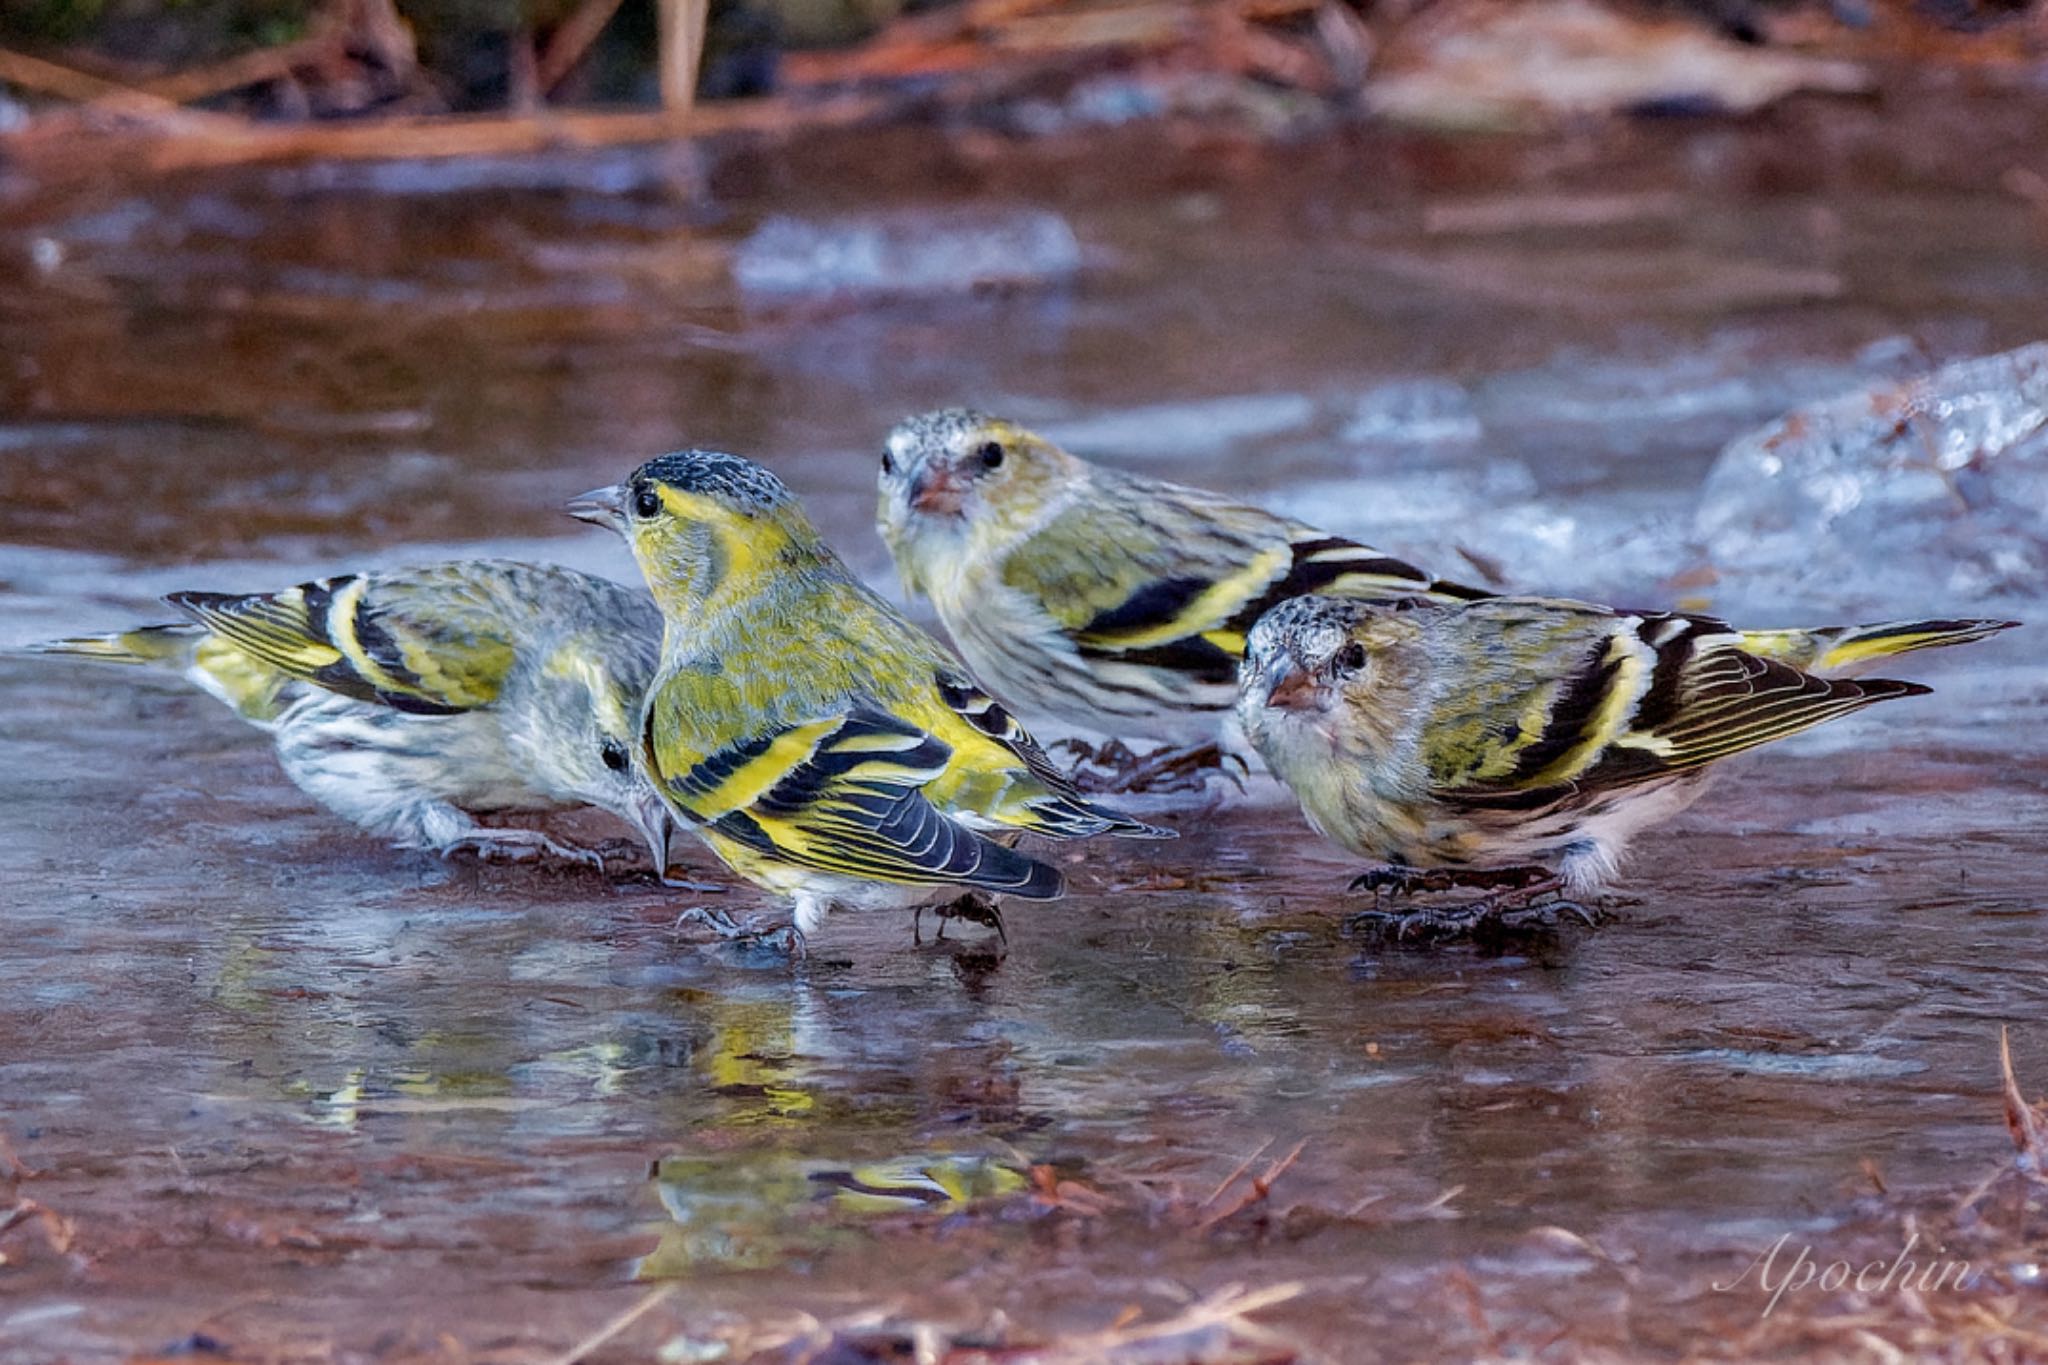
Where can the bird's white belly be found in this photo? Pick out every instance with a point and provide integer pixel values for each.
(366, 761)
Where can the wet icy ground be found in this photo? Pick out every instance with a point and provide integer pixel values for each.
(295, 1093)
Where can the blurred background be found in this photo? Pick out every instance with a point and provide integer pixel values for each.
(306, 278)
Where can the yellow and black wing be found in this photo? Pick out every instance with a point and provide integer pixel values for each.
(998, 770)
(1589, 701)
(1708, 697)
(1842, 649)
(845, 794)
(1173, 578)
(257, 692)
(431, 642)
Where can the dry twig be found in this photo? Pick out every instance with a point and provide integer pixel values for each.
(571, 39)
(2020, 1119)
(1261, 1186)
(58, 1230)
(617, 1325)
(1229, 1308)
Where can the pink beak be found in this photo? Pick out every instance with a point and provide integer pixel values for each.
(940, 493)
(1294, 692)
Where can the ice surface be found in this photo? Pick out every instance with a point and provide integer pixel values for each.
(1178, 431)
(1930, 494)
(1419, 410)
(907, 253)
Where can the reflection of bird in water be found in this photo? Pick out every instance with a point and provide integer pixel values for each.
(759, 1210)
(758, 1051)
(918, 1182)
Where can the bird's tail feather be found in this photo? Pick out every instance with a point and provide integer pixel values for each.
(169, 645)
(1836, 651)
(258, 693)
(1076, 817)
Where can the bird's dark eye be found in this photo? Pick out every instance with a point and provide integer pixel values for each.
(991, 454)
(646, 502)
(888, 464)
(614, 755)
(1351, 658)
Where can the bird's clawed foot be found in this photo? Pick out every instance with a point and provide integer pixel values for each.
(621, 852)
(1520, 905)
(520, 846)
(633, 858)
(1394, 881)
(685, 884)
(1113, 768)
(973, 907)
(751, 933)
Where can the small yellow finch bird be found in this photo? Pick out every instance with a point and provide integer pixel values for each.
(410, 701)
(1120, 603)
(1515, 742)
(823, 746)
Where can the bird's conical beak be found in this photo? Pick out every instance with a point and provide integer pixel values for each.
(938, 492)
(601, 507)
(651, 818)
(1287, 686)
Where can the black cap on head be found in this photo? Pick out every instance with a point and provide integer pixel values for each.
(713, 473)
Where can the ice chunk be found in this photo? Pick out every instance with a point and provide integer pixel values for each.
(1928, 494)
(1475, 522)
(907, 253)
(1180, 431)
(1419, 411)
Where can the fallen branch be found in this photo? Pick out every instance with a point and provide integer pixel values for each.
(681, 26)
(571, 40)
(249, 68)
(68, 148)
(1229, 1308)
(1239, 1169)
(58, 1230)
(66, 83)
(371, 23)
(2023, 1123)
(12, 1167)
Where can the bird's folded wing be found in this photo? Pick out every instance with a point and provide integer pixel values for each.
(968, 703)
(1647, 697)
(844, 794)
(1179, 593)
(1716, 699)
(999, 769)
(423, 643)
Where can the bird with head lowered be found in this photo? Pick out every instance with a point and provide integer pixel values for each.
(412, 700)
(823, 746)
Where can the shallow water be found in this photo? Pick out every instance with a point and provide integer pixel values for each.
(297, 1093)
